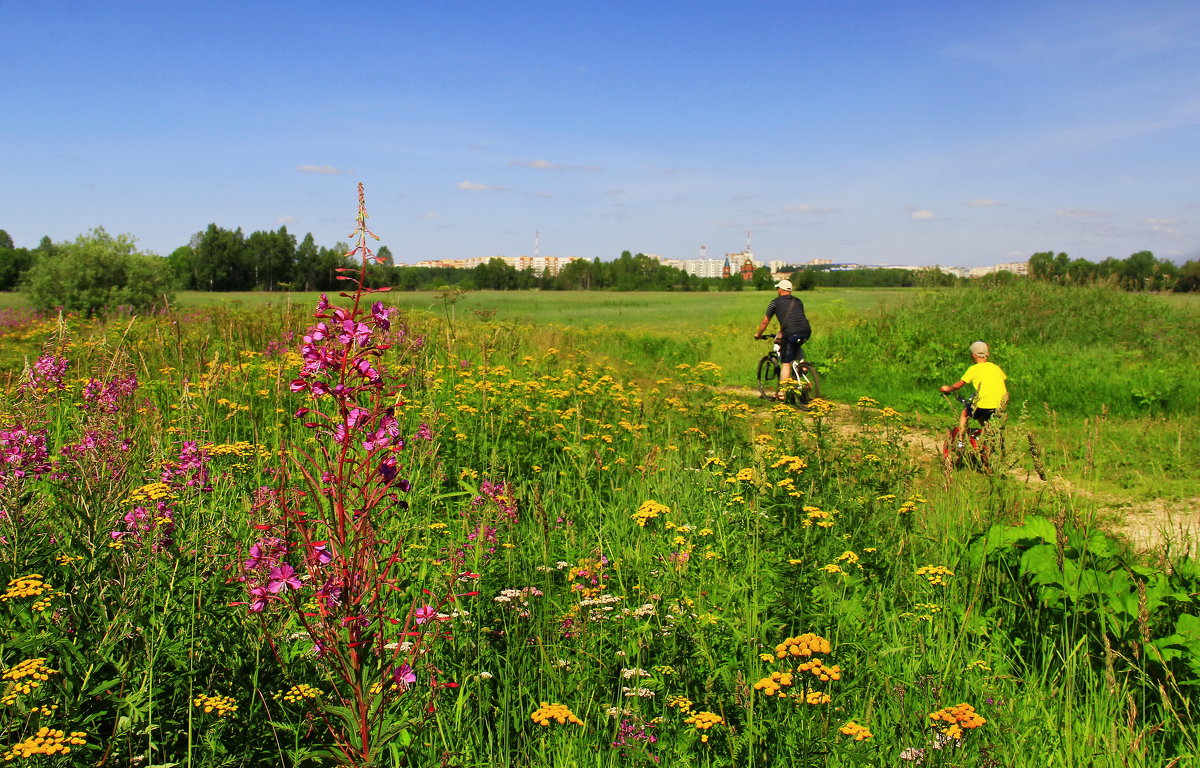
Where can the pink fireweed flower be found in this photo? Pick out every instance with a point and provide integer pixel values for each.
(382, 315)
(281, 578)
(23, 453)
(424, 614)
(356, 416)
(265, 553)
(321, 554)
(316, 333)
(367, 371)
(261, 595)
(46, 374)
(358, 333)
(107, 396)
(404, 676)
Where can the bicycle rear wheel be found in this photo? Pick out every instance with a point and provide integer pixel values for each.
(768, 376)
(808, 383)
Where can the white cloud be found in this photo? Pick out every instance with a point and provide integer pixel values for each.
(474, 186)
(806, 208)
(1162, 226)
(922, 215)
(984, 202)
(546, 165)
(427, 216)
(282, 220)
(1080, 213)
(326, 170)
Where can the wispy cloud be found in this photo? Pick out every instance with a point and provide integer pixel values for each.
(427, 216)
(325, 170)
(283, 220)
(922, 215)
(474, 186)
(806, 208)
(546, 165)
(1080, 213)
(1162, 226)
(984, 202)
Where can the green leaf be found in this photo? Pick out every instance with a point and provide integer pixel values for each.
(1041, 562)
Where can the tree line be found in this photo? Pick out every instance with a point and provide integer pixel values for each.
(1141, 271)
(98, 270)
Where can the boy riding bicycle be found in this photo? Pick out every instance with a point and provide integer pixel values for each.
(991, 392)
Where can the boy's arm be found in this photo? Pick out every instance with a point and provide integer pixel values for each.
(951, 387)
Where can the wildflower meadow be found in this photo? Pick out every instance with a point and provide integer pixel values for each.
(346, 532)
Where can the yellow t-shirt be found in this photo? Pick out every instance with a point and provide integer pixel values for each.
(988, 380)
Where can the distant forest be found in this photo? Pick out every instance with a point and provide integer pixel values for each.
(220, 259)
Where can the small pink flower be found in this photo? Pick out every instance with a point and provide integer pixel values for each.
(424, 614)
(281, 578)
(404, 676)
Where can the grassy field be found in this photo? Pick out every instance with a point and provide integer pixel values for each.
(559, 530)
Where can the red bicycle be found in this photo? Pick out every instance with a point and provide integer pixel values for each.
(967, 448)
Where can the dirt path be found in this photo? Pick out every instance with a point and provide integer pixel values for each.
(1165, 526)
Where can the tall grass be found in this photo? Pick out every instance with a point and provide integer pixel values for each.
(670, 537)
(1079, 350)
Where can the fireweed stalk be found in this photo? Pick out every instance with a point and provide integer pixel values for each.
(321, 560)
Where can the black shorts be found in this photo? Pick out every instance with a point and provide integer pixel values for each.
(981, 414)
(792, 348)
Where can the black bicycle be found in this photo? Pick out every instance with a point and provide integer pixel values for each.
(802, 388)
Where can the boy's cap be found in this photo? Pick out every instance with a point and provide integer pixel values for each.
(784, 284)
(979, 348)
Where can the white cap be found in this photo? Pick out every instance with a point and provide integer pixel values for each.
(979, 348)
(785, 285)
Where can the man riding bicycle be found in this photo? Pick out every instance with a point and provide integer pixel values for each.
(794, 329)
(991, 392)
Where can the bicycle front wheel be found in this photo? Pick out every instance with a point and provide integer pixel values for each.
(768, 376)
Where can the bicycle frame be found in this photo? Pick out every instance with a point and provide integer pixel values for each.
(803, 376)
(959, 448)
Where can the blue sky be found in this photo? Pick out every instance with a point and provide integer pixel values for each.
(954, 133)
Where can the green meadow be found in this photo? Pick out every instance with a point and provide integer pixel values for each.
(561, 529)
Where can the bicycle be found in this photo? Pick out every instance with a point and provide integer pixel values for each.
(804, 376)
(964, 449)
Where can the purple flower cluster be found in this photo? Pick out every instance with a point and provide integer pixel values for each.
(156, 523)
(501, 495)
(23, 453)
(340, 353)
(92, 457)
(191, 470)
(46, 374)
(269, 574)
(340, 343)
(631, 734)
(107, 396)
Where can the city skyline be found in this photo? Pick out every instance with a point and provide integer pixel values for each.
(865, 132)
